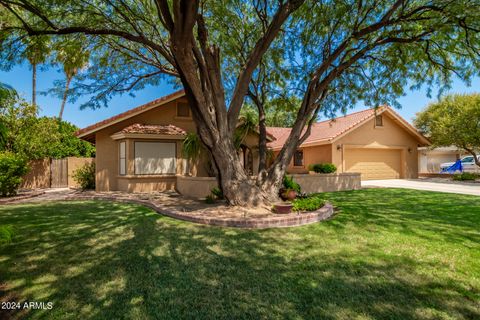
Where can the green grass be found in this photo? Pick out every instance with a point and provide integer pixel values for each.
(388, 254)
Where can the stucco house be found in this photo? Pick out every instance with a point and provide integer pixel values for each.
(140, 150)
(378, 143)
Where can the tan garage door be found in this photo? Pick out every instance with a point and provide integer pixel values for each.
(374, 164)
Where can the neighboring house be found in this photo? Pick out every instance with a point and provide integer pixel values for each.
(378, 143)
(140, 150)
(429, 160)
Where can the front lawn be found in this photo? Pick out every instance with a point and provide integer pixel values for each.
(388, 254)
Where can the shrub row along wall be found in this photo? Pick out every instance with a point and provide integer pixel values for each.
(40, 174)
(200, 187)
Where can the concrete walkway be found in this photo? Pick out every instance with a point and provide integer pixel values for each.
(419, 184)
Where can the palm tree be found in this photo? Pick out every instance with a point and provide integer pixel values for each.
(73, 56)
(37, 50)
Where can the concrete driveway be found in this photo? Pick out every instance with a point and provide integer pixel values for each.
(421, 184)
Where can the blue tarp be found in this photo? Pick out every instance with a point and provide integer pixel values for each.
(457, 166)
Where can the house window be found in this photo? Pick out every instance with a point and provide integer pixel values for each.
(183, 110)
(155, 157)
(123, 158)
(298, 158)
(379, 121)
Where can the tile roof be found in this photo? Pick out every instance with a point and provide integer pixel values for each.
(325, 130)
(170, 130)
(124, 115)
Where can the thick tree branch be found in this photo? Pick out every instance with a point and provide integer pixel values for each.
(254, 58)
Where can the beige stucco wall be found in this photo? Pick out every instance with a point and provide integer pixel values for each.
(146, 184)
(311, 155)
(392, 135)
(74, 163)
(312, 183)
(196, 187)
(38, 176)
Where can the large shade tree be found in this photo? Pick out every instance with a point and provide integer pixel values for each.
(341, 51)
(454, 120)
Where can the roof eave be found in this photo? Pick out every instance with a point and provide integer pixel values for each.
(83, 133)
(123, 135)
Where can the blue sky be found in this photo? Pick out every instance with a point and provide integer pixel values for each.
(20, 78)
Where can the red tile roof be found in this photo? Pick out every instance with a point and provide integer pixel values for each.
(325, 130)
(124, 115)
(170, 130)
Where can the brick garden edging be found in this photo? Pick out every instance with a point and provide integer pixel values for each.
(28, 195)
(324, 213)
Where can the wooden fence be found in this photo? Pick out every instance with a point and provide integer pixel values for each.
(53, 173)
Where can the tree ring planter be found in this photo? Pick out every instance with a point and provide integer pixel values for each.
(283, 207)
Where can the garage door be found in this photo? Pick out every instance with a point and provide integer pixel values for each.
(374, 164)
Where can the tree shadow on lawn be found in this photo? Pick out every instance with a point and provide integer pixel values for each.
(101, 260)
(430, 215)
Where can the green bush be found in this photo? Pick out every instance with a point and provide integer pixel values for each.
(307, 204)
(288, 183)
(465, 176)
(6, 234)
(85, 176)
(323, 168)
(12, 169)
(217, 193)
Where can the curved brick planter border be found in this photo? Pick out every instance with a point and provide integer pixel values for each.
(13, 199)
(276, 221)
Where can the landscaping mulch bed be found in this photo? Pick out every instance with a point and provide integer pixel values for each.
(217, 214)
(174, 205)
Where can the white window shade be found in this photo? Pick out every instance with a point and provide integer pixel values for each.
(123, 158)
(155, 158)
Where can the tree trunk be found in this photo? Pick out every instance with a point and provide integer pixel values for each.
(65, 95)
(237, 187)
(474, 154)
(262, 143)
(199, 68)
(34, 84)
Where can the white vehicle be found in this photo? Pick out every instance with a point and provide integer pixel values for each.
(468, 164)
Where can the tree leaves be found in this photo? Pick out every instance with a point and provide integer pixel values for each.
(452, 121)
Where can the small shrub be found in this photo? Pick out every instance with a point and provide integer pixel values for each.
(85, 176)
(288, 183)
(465, 176)
(329, 168)
(12, 169)
(210, 199)
(323, 168)
(308, 204)
(6, 234)
(217, 193)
